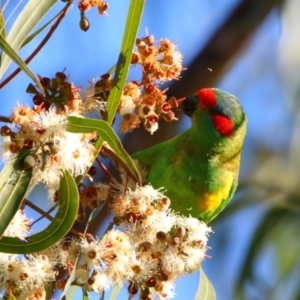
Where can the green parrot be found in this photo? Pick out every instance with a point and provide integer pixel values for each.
(199, 168)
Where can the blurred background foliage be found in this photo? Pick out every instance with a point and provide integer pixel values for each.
(250, 48)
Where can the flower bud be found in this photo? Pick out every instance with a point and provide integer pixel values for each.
(84, 23)
(180, 232)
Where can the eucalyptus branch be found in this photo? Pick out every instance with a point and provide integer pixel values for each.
(5, 119)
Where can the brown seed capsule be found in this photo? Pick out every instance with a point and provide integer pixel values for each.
(91, 281)
(131, 217)
(173, 102)
(60, 284)
(145, 246)
(169, 116)
(60, 77)
(149, 40)
(151, 282)
(29, 144)
(133, 288)
(84, 23)
(56, 196)
(31, 89)
(150, 88)
(45, 82)
(38, 99)
(161, 235)
(134, 58)
(92, 171)
(5, 131)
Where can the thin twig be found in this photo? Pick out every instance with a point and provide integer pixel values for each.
(47, 216)
(5, 119)
(115, 157)
(104, 169)
(40, 46)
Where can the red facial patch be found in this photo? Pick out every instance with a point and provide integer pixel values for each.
(223, 125)
(207, 97)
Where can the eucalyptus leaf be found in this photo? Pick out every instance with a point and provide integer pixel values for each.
(10, 52)
(205, 289)
(27, 20)
(2, 24)
(14, 182)
(85, 295)
(56, 230)
(115, 292)
(132, 25)
(103, 129)
(41, 29)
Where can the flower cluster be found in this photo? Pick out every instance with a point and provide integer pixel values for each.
(85, 5)
(42, 128)
(149, 248)
(25, 277)
(144, 101)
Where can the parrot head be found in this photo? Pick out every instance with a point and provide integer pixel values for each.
(215, 111)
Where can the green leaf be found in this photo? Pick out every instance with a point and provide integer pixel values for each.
(57, 229)
(14, 182)
(18, 60)
(27, 20)
(69, 292)
(103, 129)
(132, 25)
(2, 24)
(41, 29)
(205, 288)
(85, 295)
(115, 292)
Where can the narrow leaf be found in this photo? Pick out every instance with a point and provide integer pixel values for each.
(2, 24)
(132, 25)
(56, 230)
(70, 291)
(18, 60)
(85, 295)
(205, 288)
(27, 20)
(14, 182)
(41, 29)
(103, 129)
(115, 292)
